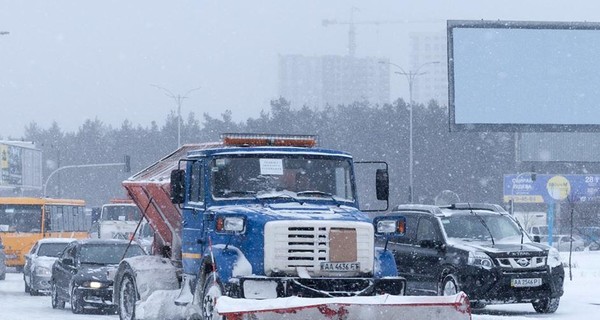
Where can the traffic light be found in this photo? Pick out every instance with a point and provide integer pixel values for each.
(127, 164)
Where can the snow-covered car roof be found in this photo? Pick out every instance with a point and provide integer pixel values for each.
(56, 240)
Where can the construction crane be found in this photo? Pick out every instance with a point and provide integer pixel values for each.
(352, 27)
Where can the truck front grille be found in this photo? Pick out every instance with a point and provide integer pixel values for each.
(295, 247)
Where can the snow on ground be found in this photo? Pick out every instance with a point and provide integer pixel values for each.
(15, 304)
(581, 300)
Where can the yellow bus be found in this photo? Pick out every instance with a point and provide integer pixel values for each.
(23, 221)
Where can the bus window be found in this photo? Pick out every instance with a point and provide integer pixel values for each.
(56, 218)
(20, 218)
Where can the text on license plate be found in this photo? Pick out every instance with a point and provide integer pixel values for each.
(340, 266)
(528, 282)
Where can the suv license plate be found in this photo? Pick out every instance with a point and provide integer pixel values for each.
(340, 266)
(529, 282)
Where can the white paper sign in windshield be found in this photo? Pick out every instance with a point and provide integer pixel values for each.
(524, 76)
(271, 167)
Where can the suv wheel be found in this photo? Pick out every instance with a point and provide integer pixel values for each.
(547, 305)
(449, 286)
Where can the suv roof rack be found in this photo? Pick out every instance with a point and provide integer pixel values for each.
(427, 208)
(475, 206)
(434, 209)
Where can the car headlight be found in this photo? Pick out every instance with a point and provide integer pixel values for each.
(93, 284)
(42, 271)
(480, 259)
(554, 258)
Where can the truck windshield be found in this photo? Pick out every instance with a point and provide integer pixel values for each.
(295, 176)
(120, 213)
(469, 227)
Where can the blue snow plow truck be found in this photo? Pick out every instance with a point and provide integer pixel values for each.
(258, 226)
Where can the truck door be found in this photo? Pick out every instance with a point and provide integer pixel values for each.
(193, 214)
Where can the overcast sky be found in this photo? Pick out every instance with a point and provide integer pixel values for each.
(71, 60)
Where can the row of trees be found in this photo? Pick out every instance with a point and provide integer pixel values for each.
(469, 164)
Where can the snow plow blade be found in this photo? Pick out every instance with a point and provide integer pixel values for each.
(347, 308)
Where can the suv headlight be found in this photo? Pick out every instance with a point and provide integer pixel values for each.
(480, 259)
(42, 271)
(554, 258)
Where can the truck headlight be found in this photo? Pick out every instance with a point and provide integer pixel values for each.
(390, 225)
(554, 258)
(42, 271)
(231, 224)
(480, 259)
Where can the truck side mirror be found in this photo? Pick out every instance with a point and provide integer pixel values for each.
(537, 239)
(382, 184)
(177, 186)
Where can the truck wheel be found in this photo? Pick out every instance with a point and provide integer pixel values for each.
(449, 286)
(125, 292)
(211, 290)
(547, 305)
(128, 296)
(56, 302)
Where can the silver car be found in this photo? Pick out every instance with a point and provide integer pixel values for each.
(2, 261)
(563, 242)
(38, 264)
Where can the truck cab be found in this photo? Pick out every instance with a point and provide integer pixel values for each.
(261, 217)
(279, 221)
(117, 220)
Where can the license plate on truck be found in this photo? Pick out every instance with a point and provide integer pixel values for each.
(526, 282)
(340, 266)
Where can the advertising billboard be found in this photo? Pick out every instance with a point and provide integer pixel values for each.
(550, 188)
(20, 165)
(523, 76)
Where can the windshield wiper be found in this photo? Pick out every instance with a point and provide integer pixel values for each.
(318, 193)
(279, 196)
(483, 223)
(520, 227)
(230, 193)
(95, 263)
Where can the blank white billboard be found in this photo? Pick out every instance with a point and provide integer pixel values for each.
(524, 76)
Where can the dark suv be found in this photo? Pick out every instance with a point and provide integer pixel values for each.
(479, 249)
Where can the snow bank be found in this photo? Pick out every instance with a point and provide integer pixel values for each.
(160, 305)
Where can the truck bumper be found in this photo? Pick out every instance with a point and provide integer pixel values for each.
(278, 287)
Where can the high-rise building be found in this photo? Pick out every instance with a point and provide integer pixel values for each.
(432, 83)
(317, 81)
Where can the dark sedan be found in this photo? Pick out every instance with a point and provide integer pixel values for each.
(84, 272)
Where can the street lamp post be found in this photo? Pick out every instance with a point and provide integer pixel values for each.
(178, 100)
(410, 76)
